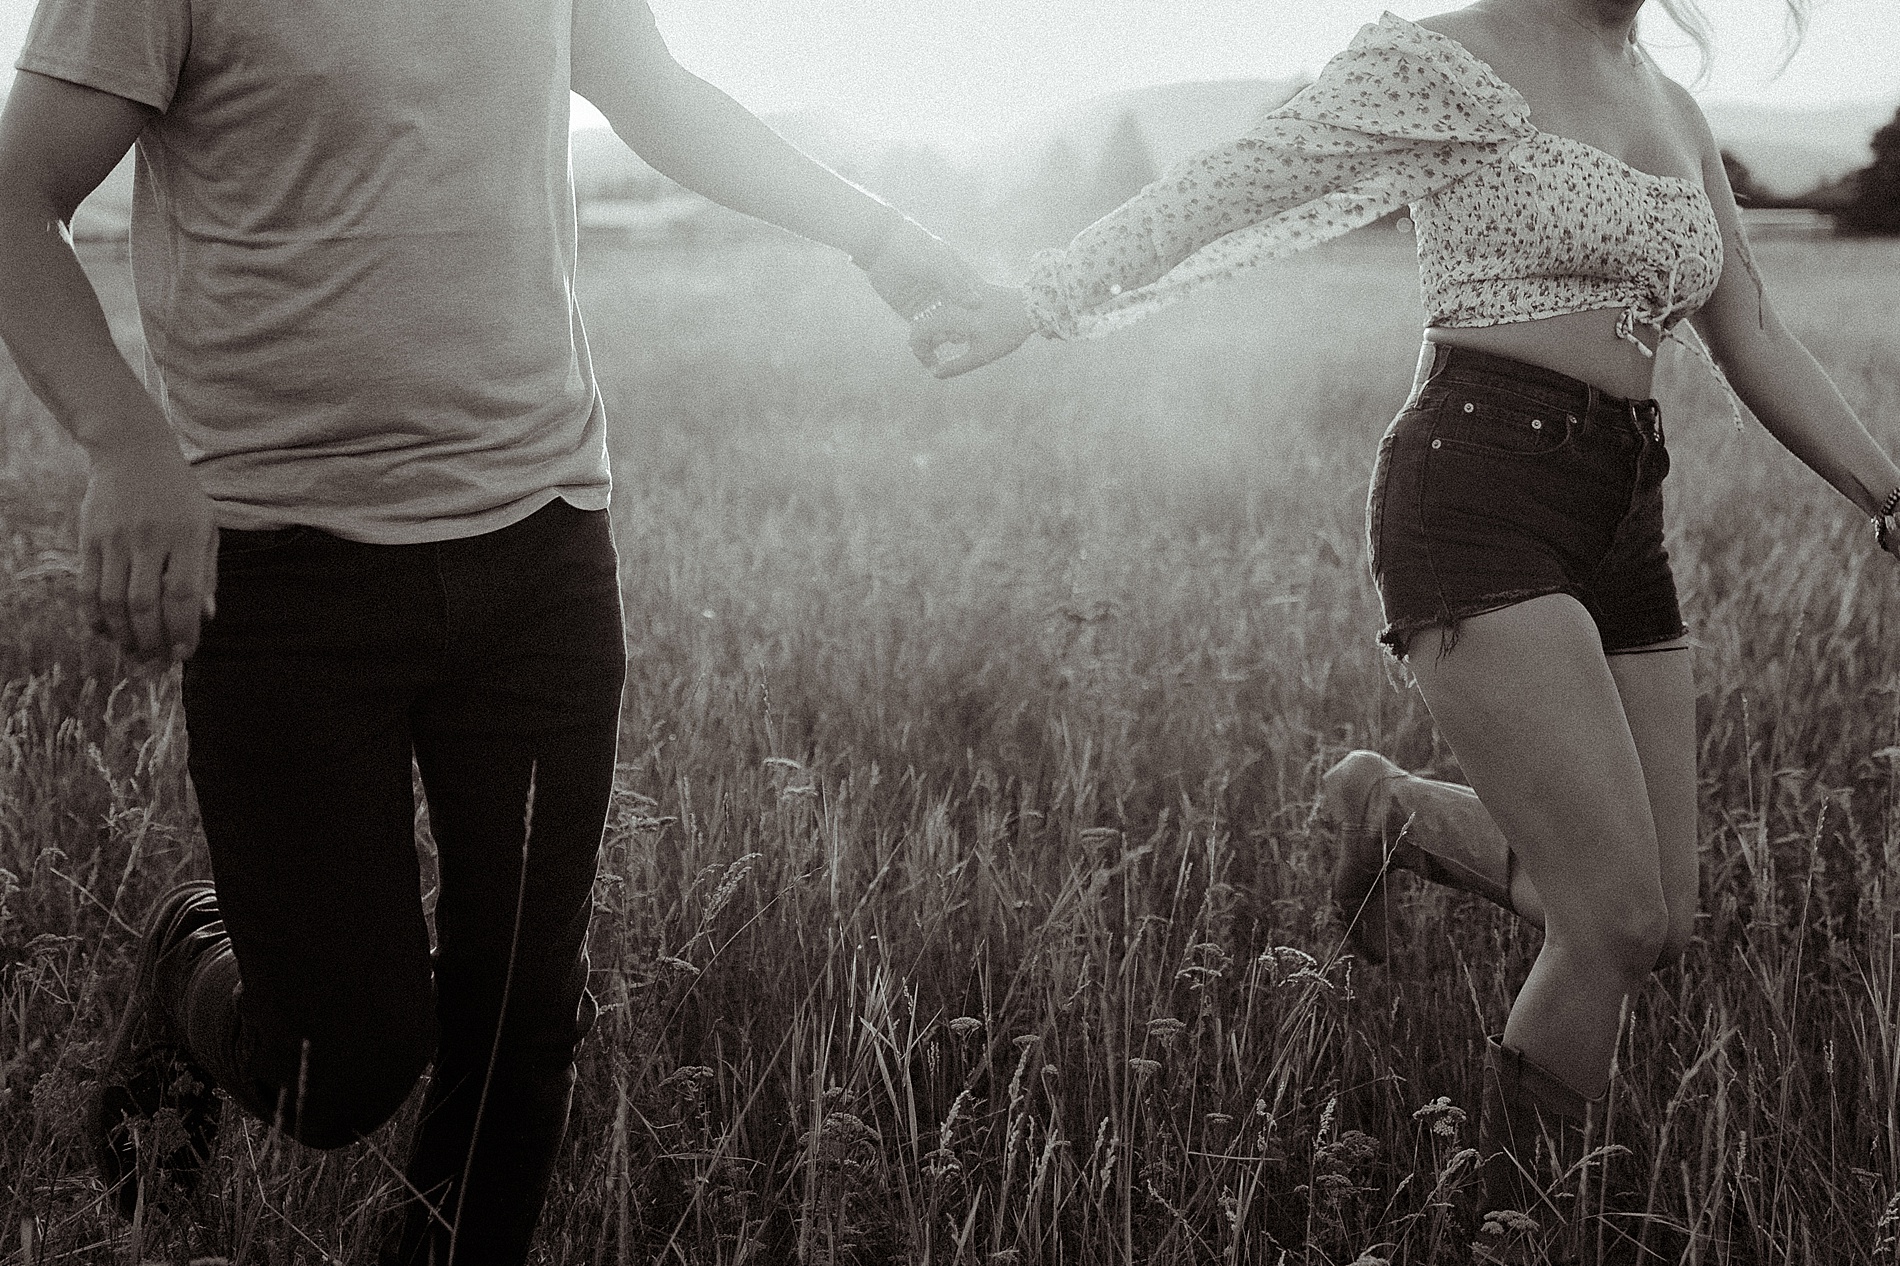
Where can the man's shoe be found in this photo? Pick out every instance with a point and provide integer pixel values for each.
(153, 1110)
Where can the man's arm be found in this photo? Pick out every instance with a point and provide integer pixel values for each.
(701, 138)
(146, 535)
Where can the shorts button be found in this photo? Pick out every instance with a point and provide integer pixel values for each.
(1438, 443)
(1471, 408)
(1537, 424)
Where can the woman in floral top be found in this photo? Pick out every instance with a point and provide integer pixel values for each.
(1571, 208)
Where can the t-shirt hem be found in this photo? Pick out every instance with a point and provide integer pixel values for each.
(419, 532)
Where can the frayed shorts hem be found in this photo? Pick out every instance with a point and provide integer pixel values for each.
(1396, 637)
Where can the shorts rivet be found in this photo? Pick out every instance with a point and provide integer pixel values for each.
(1438, 443)
(1537, 424)
(1471, 408)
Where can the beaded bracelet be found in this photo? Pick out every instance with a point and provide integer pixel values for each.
(1887, 509)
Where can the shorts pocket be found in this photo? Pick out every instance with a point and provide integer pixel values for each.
(1493, 423)
(1375, 496)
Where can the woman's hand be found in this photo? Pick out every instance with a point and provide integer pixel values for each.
(952, 339)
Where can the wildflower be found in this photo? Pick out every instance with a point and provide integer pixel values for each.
(1501, 1222)
(692, 1075)
(1443, 1116)
(1143, 1067)
(1218, 1120)
(1026, 1041)
(1165, 1029)
(1330, 1190)
(965, 1027)
(1207, 961)
(1352, 1150)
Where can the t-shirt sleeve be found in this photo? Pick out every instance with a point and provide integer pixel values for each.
(130, 48)
(1392, 120)
(611, 37)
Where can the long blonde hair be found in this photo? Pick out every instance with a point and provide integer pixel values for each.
(1688, 15)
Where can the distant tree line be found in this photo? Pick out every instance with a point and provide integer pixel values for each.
(1875, 204)
(1069, 190)
(1861, 203)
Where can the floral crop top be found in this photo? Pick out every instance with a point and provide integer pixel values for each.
(1513, 223)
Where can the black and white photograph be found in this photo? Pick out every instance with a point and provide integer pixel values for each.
(867, 633)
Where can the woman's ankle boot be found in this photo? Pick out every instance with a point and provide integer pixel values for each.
(1533, 1129)
(1388, 819)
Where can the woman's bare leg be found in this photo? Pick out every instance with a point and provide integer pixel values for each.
(1537, 720)
(1658, 692)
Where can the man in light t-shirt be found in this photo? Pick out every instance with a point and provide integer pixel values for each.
(369, 424)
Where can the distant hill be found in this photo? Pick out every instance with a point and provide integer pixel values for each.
(1792, 151)
(1177, 120)
(1788, 151)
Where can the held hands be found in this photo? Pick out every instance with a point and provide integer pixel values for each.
(150, 550)
(954, 339)
(958, 320)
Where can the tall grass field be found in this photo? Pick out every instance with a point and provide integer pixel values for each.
(962, 900)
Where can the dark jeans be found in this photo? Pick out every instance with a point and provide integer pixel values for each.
(496, 663)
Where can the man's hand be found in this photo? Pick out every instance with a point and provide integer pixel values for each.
(950, 339)
(150, 550)
(913, 269)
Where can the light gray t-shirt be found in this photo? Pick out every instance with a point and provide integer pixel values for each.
(354, 248)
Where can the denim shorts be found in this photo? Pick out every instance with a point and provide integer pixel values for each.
(1500, 482)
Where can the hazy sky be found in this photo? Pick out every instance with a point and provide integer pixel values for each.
(950, 69)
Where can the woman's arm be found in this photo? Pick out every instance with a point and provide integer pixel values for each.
(1776, 377)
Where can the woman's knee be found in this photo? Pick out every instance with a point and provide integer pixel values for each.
(1628, 931)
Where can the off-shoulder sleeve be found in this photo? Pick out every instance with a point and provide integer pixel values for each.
(1401, 114)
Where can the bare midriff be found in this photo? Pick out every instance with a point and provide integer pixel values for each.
(1583, 345)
